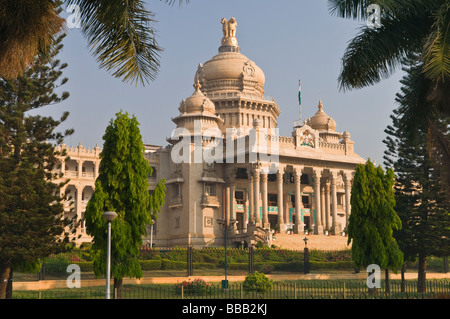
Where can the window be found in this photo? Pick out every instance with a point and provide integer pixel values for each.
(340, 198)
(305, 201)
(291, 178)
(153, 174)
(272, 177)
(210, 189)
(273, 199)
(176, 190)
(241, 173)
(304, 179)
(239, 195)
(292, 198)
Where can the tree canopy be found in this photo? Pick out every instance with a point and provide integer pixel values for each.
(32, 222)
(122, 187)
(120, 34)
(373, 218)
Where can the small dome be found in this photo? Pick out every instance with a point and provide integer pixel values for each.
(197, 103)
(321, 121)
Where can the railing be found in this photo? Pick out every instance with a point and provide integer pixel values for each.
(296, 290)
(226, 95)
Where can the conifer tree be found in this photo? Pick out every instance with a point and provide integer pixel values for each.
(32, 222)
(373, 219)
(122, 187)
(422, 203)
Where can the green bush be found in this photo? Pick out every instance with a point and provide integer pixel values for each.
(57, 265)
(257, 282)
(196, 287)
(332, 265)
(151, 264)
(204, 265)
(86, 266)
(173, 264)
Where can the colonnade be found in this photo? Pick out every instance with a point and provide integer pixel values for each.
(323, 213)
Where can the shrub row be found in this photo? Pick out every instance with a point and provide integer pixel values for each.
(265, 267)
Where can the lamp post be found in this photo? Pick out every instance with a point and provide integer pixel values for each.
(109, 216)
(306, 257)
(151, 234)
(223, 223)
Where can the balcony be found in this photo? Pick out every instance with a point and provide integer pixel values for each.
(210, 201)
(176, 202)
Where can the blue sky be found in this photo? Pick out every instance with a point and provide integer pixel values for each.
(288, 40)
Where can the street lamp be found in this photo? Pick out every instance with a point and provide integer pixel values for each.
(224, 223)
(109, 216)
(306, 257)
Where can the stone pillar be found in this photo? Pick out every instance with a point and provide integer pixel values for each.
(256, 204)
(299, 226)
(232, 207)
(318, 228)
(327, 205)
(348, 179)
(245, 219)
(323, 205)
(250, 199)
(335, 226)
(79, 201)
(80, 168)
(63, 166)
(281, 222)
(97, 166)
(265, 221)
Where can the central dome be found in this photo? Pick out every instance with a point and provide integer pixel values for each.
(229, 69)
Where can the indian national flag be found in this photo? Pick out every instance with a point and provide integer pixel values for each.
(299, 93)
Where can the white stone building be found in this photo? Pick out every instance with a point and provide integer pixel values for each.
(237, 195)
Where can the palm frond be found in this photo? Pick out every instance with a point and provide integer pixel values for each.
(437, 48)
(122, 38)
(357, 9)
(375, 53)
(27, 29)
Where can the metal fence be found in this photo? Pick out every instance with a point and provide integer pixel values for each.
(355, 289)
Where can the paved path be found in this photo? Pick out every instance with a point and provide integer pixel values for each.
(321, 242)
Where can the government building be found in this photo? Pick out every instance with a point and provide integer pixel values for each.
(253, 182)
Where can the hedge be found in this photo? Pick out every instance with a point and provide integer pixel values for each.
(151, 264)
(266, 267)
(173, 264)
(86, 266)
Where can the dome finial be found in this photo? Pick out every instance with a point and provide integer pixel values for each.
(197, 86)
(320, 105)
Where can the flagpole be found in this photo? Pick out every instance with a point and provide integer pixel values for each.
(300, 100)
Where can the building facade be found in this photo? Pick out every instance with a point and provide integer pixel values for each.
(229, 174)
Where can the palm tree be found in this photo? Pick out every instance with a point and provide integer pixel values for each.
(411, 30)
(419, 27)
(120, 35)
(407, 26)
